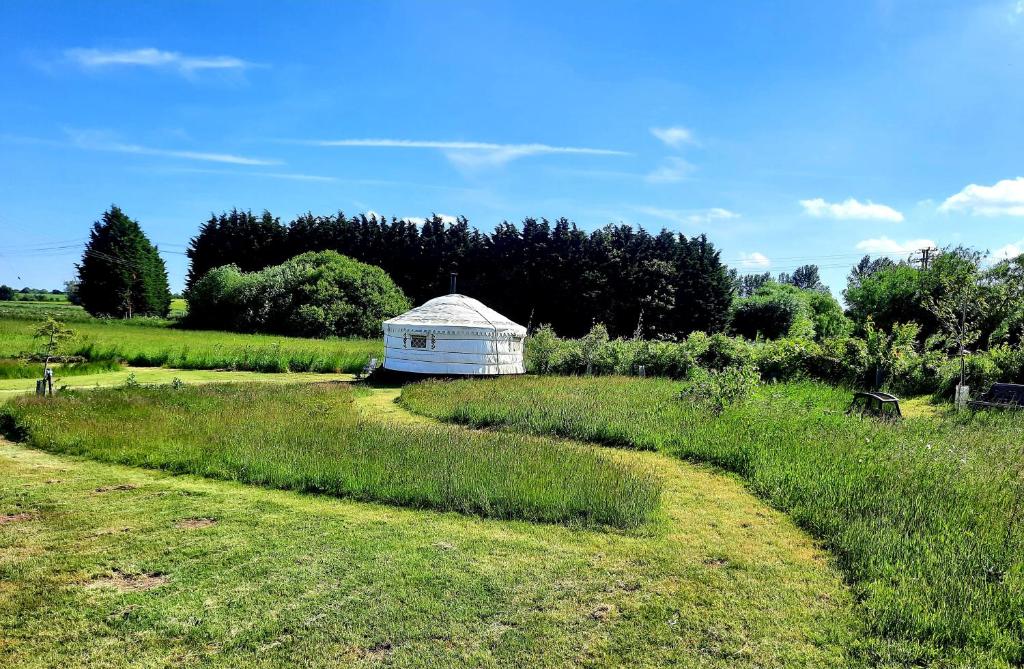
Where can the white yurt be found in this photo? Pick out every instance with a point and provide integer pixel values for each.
(453, 335)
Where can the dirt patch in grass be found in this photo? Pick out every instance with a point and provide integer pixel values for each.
(112, 488)
(195, 523)
(119, 580)
(378, 651)
(15, 517)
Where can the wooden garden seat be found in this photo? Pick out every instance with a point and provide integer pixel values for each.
(885, 405)
(1001, 396)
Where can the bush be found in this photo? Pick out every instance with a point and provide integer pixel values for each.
(716, 390)
(318, 294)
(765, 316)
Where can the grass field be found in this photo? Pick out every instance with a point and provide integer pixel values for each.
(311, 438)
(115, 566)
(925, 516)
(14, 368)
(150, 343)
(64, 311)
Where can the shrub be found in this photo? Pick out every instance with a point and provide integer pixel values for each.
(312, 295)
(718, 389)
(765, 316)
(541, 348)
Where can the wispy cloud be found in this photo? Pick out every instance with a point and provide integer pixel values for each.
(152, 58)
(674, 136)
(755, 260)
(851, 209)
(469, 154)
(888, 246)
(1004, 198)
(673, 170)
(285, 176)
(99, 141)
(689, 216)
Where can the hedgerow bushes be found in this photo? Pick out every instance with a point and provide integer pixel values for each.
(908, 368)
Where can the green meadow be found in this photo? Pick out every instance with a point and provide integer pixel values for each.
(155, 343)
(925, 516)
(312, 439)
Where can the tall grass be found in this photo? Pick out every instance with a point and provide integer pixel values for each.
(157, 346)
(311, 438)
(925, 515)
(21, 369)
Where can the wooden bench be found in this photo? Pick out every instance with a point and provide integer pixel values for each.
(1001, 396)
(877, 403)
(368, 368)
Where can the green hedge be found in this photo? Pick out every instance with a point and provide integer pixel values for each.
(909, 369)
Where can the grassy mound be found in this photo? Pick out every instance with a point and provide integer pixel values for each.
(926, 516)
(311, 438)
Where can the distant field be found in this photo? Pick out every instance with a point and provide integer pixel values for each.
(311, 438)
(151, 343)
(62, 310)
(926, 516)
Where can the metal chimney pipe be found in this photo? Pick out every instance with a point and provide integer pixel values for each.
(454, 277)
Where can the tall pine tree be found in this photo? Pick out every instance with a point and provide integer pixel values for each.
(121, 273)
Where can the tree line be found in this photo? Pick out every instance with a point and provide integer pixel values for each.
(632, 281)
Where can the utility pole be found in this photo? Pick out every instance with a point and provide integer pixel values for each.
(925, 259)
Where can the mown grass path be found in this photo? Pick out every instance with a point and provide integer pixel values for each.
(107, 565)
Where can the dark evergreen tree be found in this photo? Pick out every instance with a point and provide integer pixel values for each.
(122, 273)
(239, 238)
(535, 273)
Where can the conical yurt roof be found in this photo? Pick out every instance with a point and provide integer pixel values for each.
(457, 311)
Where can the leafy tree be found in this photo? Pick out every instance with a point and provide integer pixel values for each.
(316, 294)
(960, 305)
(889, 295)
(781, 309)
(767, 313)
(6, 293)
(805, 277)
(747, 284)
(71, 291)
(121, 272)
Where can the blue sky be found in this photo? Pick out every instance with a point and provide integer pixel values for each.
(788, 132)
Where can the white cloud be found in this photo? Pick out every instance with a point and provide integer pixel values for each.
(1009, 251)
(850, 209)
(689, 216)
(99, 141)
(1005, 198)
(470, 154)
(674, 170)
(754, 260)
(674, 136)
(155, 58)
(886, 246)
(445, 219)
